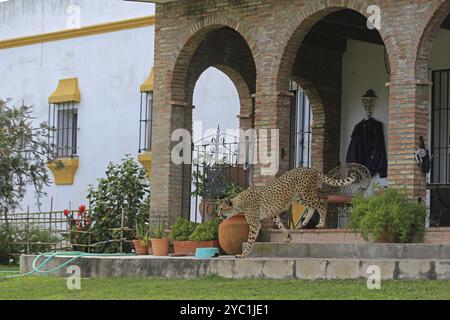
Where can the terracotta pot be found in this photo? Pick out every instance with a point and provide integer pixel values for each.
(233, 232)
(160, 247)
(139, 248)
(208, 209)
(189, 247)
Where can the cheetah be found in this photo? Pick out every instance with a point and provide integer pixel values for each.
(299, 185)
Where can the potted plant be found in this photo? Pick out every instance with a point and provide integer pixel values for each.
(160, 245)
(188, 236)
(209, 185)
(388, 216)
(142, 240)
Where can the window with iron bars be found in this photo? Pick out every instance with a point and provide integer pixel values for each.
(440, 173)
(145, 122)
(440, 149)
(63, 133)
(301, 132)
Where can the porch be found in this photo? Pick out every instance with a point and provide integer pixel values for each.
(310, 90)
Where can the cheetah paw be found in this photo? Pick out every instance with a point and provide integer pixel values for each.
(240, 256)
(288, 239)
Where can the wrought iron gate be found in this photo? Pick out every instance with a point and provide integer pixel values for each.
(217, 169)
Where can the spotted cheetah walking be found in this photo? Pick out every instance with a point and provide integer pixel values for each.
(299, 185)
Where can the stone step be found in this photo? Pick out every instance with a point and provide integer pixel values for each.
(351, 251)
(261, 268)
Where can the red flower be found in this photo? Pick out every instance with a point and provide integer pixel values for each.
(66, 212)
(81, 210)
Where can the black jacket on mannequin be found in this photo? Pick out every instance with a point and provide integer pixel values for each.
(368, 148)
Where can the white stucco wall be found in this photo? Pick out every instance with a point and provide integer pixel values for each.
(110, 68)
(29, 17)
(363, 69)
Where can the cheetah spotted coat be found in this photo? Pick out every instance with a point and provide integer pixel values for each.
(299, 185)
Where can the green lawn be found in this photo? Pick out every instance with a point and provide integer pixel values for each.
(216, 288)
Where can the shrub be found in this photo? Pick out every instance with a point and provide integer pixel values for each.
(124, 189)
(388, 213)
(206, 231)
(13, 241)
(182, 229)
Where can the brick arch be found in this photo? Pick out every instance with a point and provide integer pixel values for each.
(422, 45)
(318, 128)
(303, 22)
(190, 41)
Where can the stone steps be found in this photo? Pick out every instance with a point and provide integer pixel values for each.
(260, 268)
(352, 251)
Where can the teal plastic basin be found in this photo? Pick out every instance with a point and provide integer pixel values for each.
(207, 253)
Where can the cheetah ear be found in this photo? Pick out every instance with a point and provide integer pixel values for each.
(228, 202)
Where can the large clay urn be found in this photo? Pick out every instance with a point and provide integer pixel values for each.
(233, 232)
(208, 209)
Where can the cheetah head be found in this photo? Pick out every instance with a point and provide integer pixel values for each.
(227, 207)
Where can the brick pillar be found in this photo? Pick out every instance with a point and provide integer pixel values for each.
(407, 122)
(168, 182)
(273, 112)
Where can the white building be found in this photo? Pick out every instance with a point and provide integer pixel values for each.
(109, 49)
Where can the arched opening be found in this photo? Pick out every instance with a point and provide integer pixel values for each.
(433, 66)
(336, 58)
(215, 77)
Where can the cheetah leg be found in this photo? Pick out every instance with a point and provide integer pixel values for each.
(253, 234)
(308, 217)
(312, 207)
(287, 235)
(323, 216)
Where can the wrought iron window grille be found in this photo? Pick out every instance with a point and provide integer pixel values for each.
(63, 129)
(146, 122)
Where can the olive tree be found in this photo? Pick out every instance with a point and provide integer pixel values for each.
(24, 153)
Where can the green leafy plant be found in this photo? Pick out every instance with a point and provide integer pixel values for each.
(15, 240)
(121, 192)
(388, 214)
(24, 154)
(206, 231)
(158, 231)
(211, 183)
(182, 229)
(142, 223)
(231, 191)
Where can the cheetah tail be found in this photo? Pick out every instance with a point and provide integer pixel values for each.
(338, 183)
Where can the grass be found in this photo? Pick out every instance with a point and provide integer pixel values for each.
(214, 288)
(9, 268)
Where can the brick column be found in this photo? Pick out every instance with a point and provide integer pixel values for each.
(272, 112)
(168, 183)
(407, 122)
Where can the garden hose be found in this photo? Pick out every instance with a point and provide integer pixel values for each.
(74, 255)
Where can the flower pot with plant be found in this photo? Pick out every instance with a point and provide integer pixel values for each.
(141, 243)
(188, 236)
(210, 185)
(160, 245)
(388, 216)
